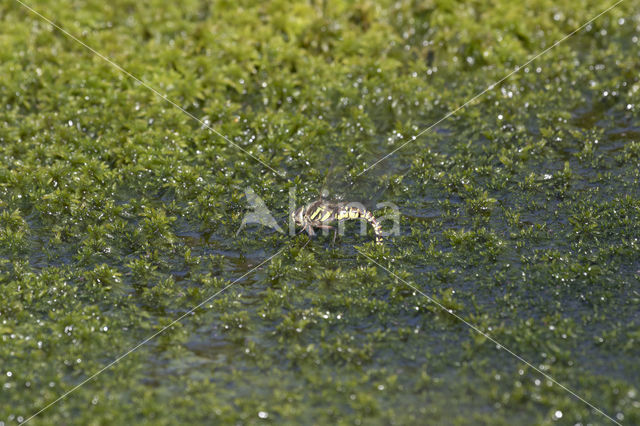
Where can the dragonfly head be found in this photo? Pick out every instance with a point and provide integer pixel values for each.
(298, 216)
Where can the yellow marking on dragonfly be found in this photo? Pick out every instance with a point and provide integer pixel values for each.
(316, 213)
(325, 212)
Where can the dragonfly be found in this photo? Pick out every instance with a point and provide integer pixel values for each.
(324, 213)
(321, 213)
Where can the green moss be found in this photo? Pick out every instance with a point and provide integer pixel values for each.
(119, 213)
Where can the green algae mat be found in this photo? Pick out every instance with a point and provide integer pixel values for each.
(509, 293)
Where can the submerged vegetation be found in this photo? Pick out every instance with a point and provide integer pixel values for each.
(118, 212)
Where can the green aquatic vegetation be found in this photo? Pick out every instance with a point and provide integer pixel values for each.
(14, 232)
(119, 213)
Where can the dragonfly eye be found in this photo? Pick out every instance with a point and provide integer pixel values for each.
(298, 216)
